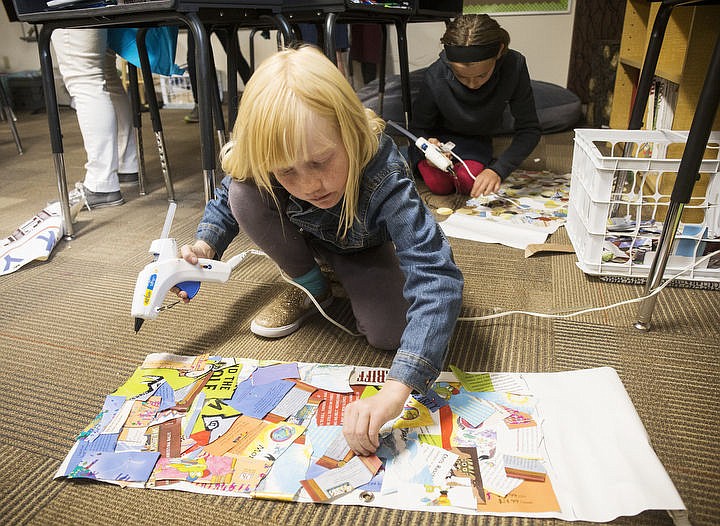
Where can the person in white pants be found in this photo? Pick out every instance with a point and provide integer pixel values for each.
(88, 68)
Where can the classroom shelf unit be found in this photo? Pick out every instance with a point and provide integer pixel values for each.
(684, 57)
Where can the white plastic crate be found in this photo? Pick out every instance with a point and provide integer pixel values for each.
(619, 195)
(177, 90)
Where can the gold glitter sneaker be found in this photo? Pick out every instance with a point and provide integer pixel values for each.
(286, 313)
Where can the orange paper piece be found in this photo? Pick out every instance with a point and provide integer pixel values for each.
(528, 497)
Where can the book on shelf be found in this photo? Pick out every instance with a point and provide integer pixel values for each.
(661, 103)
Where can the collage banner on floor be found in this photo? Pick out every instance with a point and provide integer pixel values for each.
(475, 443)
(528, 207)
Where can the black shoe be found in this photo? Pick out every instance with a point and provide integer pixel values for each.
(130, 178)
(96, 199)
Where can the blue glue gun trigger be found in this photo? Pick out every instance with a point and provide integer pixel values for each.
(190, 287)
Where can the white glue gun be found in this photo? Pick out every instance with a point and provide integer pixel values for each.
(432, 152)
(168, 271)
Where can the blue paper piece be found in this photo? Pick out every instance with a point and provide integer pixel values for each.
(690, 247)
(431, 400)
(404, 463)
(314, 470)
(102, 443)
(471, 408)
(167, 393)
(272, 373)
(199, 402)
(321, 437)
(287, 472)
(258, 400)
(131, 466)
(112, 405)
(375, 484)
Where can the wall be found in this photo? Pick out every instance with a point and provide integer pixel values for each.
(16, 54)
(548, 62)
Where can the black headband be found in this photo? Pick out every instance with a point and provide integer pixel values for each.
(472, 53)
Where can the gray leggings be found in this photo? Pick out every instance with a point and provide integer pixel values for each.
(371, 278)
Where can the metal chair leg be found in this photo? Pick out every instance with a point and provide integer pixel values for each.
(233, 48)
(215, 99)
(202, 65)
(6, 110)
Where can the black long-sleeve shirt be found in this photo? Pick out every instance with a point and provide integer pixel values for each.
(445, 108)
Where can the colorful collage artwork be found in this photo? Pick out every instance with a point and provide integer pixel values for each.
(472, 444)
(528, 207)
(530, 199)
(33, 240)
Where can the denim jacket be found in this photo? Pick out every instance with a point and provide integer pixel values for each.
(389, 209)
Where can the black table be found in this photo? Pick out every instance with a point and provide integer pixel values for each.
(330, 12)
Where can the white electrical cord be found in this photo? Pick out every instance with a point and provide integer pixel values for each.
(463, 163)
(593, 309)
(499, 314)
(317, 305)
(240, 257)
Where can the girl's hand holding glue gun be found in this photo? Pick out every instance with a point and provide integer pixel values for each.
(486, 182)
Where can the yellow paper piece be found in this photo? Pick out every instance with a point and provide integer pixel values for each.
(212, 408)
(223, 382)
(143, 413)
(248, 472)
(271, 441)
(414, 415)
(143, 381)
(369, 391)
(238, 437)
(474, 381)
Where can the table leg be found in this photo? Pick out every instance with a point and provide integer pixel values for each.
(401, 27)
(381, 68)
(329, 42)
(137, 123)
(51, 105)
(154, 111)
(233, 59)
(6, 110)
(202, 64)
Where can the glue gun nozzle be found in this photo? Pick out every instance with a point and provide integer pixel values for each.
(138, 324)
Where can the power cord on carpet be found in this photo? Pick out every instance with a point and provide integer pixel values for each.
(506, 313)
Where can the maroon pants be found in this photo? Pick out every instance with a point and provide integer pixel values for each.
(443, 183)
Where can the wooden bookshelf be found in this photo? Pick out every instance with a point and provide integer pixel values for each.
(684, 57)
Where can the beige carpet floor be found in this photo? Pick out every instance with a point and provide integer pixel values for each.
(67, 340)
